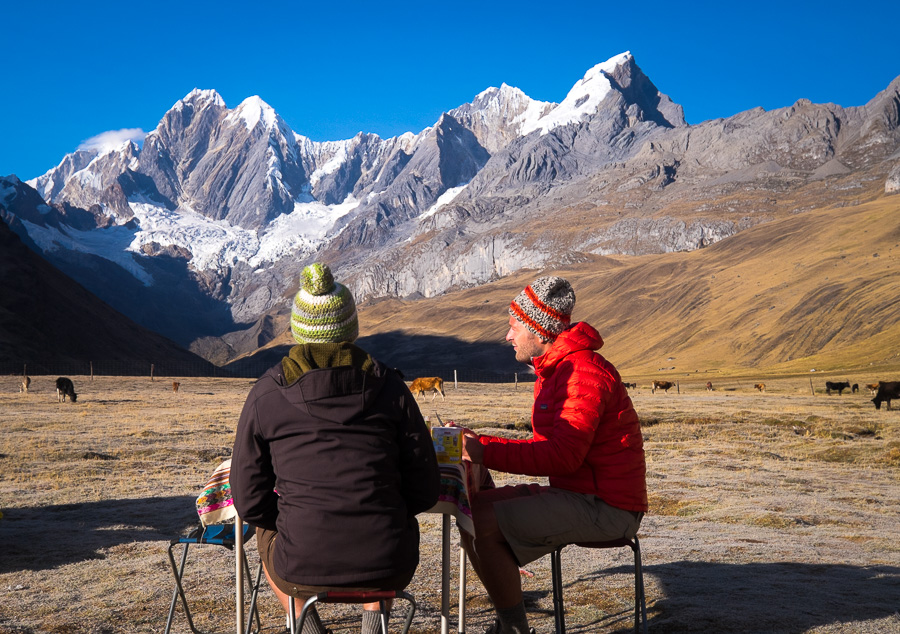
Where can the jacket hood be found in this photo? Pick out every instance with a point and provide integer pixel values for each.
(335, 382)
(580, 336)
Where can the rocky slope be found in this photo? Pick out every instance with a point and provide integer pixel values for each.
(48, 322)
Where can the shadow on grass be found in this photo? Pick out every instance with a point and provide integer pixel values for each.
(753, 597)
(51, 536)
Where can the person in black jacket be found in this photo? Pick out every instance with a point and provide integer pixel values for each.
(332, 460)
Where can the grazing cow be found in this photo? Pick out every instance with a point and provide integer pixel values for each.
(855, 388)
(887, 390)
(872, 387)
(630, 385)
(26, 381)
(661, 385)
(434, 384)
(64, 388)
(175, 386)
(709, 387)
(760, 386)
(838, 386)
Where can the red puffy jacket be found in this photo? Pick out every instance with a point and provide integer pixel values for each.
(587, 436)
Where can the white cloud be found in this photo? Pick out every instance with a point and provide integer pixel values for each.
(112, 139)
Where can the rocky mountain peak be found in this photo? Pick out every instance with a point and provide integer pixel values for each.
(253, 112)
(200, 98)
(583, 98)
(496, 116)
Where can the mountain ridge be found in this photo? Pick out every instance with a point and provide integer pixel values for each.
(227, 205)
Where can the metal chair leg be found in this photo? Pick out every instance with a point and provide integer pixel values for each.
(384, 617)
(559, 614)
(292, 616)
(296, 625)
(639, 588)
(412, 610)
(640, 605)
(253, 597)
(179, 590)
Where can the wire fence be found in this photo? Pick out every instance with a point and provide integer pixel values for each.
(115, 368)
(174, 369)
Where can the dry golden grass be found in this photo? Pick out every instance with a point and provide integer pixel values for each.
(773, 511)
(813, 290)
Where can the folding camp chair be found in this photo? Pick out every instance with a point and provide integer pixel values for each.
(215, 535)
(382, 596)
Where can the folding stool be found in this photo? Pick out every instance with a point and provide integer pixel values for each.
(216, 535)
(640, 607)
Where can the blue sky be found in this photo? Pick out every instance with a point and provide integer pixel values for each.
(71, 71)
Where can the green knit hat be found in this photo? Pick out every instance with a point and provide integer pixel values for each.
(324, 311)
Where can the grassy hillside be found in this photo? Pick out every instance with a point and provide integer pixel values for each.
(815, 290)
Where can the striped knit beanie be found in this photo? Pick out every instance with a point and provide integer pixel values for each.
(324, 311)
(545, 307)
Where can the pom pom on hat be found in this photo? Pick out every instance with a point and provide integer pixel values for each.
(545, 307)
(324, 310)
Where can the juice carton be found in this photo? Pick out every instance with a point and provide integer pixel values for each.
(447, 444)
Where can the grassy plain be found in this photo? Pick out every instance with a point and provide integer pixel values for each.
(770, 512)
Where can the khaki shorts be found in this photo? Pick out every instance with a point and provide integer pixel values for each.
(536, 520)
(265, 541)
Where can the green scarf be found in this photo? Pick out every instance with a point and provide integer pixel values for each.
(312, 356)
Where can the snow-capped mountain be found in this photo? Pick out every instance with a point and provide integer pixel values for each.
(216, 211)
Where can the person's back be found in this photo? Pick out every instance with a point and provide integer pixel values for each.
(332, 460)
(349, 458)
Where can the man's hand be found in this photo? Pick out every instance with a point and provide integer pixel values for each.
(472, 449)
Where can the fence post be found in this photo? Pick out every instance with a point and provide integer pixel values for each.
(516, 379)
(151, 371)
(92, 370)
(812, 390)
(455, 384)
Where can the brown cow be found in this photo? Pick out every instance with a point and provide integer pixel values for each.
(435, 384)
(175, 386)
(872, 387)
(26, 381)
(760, 386)
(709, 387)
(661, 385)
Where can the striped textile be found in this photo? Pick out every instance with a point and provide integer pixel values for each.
(215, 505)
(457, 480)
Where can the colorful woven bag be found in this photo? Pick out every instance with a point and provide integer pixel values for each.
(215, 504)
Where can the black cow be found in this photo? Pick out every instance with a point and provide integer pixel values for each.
(631, 385)
(887, 390)
(855, 388)
(64, 388)
(837, 386)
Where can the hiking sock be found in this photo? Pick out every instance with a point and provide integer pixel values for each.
(313, 624)
(513, 620)
(371, 622)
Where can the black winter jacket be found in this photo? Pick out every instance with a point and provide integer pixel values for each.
(352, 462)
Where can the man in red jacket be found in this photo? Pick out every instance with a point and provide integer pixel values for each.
(586, 440)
